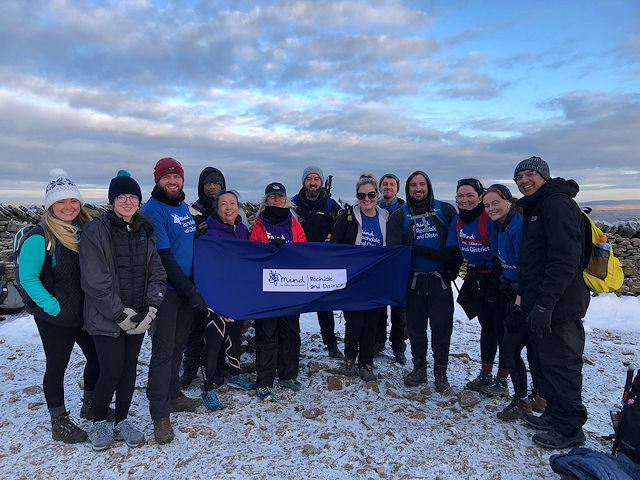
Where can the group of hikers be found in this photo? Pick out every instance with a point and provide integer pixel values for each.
(104, 283)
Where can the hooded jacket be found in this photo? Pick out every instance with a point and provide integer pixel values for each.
(551, 251)
(317, 216)
(202, 208)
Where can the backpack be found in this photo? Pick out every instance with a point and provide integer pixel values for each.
(10, 300)
(615, 276)
(482, 227)
(18, 240)
(627, 439)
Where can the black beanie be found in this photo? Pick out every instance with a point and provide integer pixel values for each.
(123, 184)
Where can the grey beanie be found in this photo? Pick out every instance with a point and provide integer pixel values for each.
(533, 163)
(312, 169)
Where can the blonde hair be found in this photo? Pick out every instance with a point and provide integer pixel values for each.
(66, 233)
(367, 178)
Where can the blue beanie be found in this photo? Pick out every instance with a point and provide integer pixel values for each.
(123, 184)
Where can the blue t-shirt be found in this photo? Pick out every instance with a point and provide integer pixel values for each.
(424, 233)
(371, 232)
(475, 249)
(175, 230)
(509, 247)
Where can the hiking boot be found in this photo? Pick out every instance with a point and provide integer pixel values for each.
(291, 383)
(63, 429)
(484, 379)
(498, 387)
(210, 400)
(240, 382)
(399, 357)
(556, 440)
(187, 377)
(538, 404)
(366, 373)
(101, 435)
(378, 349)
(184, 404)
(123, 431)
(542, 422)
(441, 380)
(87, 413)
(265, 394)
(418, 375)
(334, 351)
(515, 410)
(163, 431)
(349, 368)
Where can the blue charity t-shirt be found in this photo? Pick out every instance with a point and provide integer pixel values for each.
(475, 249)
(175, 229)
(509, 247)
(371, 232)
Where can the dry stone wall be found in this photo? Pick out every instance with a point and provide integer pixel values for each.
(624, 237)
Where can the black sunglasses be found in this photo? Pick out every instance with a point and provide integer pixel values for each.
(362, 196)
(472, 182)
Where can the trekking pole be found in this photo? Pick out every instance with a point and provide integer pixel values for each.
(625, 395)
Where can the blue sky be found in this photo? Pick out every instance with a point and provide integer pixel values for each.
(263, 89)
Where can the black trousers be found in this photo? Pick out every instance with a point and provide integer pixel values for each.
(118, 359)
(57, 343)
(511, 348)
(559, 357)
(398, 331)
(277, 349)
(194, 351)
(327, 328)
(429, 302)
(491, 333)
(360, 335)
(172, 324)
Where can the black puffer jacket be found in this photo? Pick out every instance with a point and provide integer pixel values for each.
(551, 251)
(316, 217)
(120, 267)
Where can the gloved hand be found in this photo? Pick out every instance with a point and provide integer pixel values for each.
(145, 323)
(125, 322)
(278, 242)
(539, 319)
(138, 317)
(515, 319)
(196, 302)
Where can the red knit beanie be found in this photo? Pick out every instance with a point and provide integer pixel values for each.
(165, 166)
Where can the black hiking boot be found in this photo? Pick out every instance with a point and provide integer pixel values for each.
(63, 429)
(542, 422)
(418, 375)
(334, 351)
(441, 380)
(556, 440)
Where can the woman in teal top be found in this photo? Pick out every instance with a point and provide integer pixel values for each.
(50, 274)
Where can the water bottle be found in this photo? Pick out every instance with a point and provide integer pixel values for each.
(598, 266)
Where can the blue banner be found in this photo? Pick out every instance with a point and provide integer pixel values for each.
(247, 280)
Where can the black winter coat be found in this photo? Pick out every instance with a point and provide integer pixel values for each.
(316, 219)
(120, 267)
(551, 251)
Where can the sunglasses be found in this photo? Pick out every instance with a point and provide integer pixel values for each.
(362, 196)
(472, 182)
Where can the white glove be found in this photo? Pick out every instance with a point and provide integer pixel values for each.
(127, 324)
(146, 322)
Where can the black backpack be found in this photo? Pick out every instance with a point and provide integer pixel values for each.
(627, 438)
(18, 240)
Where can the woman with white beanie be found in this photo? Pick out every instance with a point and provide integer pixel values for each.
(50, 275)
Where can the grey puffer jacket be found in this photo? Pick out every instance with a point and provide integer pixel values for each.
(120, 267)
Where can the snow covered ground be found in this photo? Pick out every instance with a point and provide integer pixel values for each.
(379, 431)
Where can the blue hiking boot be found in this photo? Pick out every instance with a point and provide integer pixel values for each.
(124, 431)
(240, 382)
(291, 383)
(210, 400)
(101, 435)
(266, 395)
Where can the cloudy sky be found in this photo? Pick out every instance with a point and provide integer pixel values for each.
(263, 89)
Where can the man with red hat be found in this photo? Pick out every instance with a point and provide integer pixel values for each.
(175, 230)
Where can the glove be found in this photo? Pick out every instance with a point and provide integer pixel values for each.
(515, 319)
(278, 242)
(196, 302)
(145, 323)
(539, 319)
(125, 322)
(138, 317)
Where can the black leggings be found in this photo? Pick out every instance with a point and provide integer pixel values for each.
(118, 359)
(58, 344)
(222, 340)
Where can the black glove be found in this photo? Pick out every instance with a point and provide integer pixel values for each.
(196, 302)
(515, 319)
(539, 319)
(278, 242)
(138, 317)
